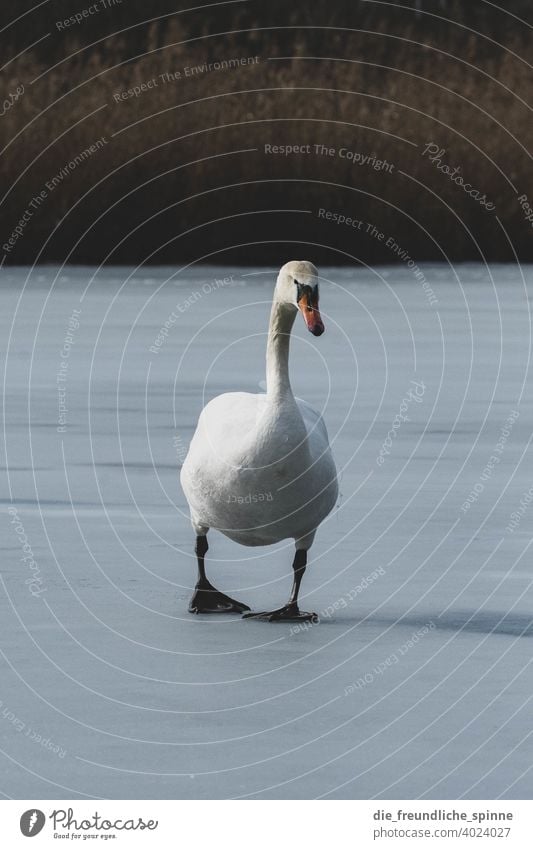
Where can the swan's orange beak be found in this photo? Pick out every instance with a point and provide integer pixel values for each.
(308, 306)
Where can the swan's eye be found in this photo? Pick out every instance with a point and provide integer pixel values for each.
(310, 293)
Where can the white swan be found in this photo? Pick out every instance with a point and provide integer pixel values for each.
(259, 468)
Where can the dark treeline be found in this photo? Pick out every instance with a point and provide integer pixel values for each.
(498, 21)
(134, 131)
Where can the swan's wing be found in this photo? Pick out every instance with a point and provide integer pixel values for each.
(323, 470)
(217, 458)
(221, 431)
(227, 419)
(314, 422)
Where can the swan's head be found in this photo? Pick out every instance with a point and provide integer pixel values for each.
(297, 285)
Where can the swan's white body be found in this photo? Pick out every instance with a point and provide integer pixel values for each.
(259, 468)
(259, 472)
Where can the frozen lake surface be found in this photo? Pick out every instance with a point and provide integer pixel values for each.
(417, 681)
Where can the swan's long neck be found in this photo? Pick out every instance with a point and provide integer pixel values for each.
(277, 358)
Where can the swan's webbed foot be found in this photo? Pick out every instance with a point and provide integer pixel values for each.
(287, 613)
(207, 599)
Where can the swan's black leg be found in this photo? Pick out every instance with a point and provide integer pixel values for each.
(200, 549)
(299, 565)
(206, 598)
(290, 611)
